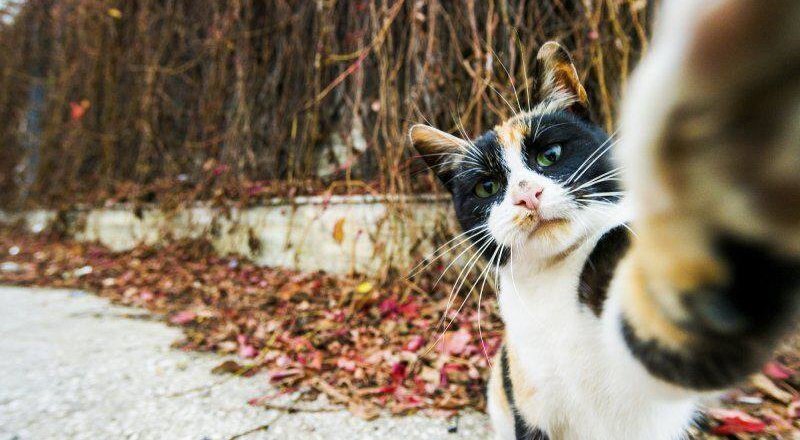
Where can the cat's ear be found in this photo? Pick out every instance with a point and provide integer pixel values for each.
(559, 81)
(441, 151)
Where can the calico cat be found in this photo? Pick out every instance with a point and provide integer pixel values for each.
(631, 288)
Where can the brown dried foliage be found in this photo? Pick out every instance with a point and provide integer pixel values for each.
(142, 90)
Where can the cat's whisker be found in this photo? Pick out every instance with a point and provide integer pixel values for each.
(524, 68)
(509, 230)
(605, 194)
(458, 158)
(464, 137)
(588, 167)
(598, 182)
(420, 113)
(436, 255)
(478, 240)
(461, 279)
(494, 89)
(510, 77)
(538, 125)
(486, 272)
(449, 300)
(446, 164)
(573, 177)
(608, 146)
(466, 297)
(607, 176)
(587, 164)
(548, 128)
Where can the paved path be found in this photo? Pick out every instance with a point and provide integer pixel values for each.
(74, 367)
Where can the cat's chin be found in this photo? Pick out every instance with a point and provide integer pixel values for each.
(545, 238)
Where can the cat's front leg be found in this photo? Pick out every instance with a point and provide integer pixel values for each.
(498, 406)
(710, 142)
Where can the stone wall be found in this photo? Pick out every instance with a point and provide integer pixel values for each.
(364, 234)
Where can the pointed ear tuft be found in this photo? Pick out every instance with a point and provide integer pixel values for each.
(558, 79)
(441, 151)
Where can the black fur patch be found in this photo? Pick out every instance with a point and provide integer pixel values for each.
(734, 325)
(600, 267)
(484, 162)
(585, 155)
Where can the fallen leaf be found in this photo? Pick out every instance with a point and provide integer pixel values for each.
(363, 410)
(346, 364)
(183, 317)
(78, 109)
(734, 421)
(276, 375)
(246, 350)
(338, 231)
(364, 288)
(83, 271)
(454, 343)
(229, 366)
(399, 372)
(415, 343)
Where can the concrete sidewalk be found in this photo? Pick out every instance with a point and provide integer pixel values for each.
(74, 367)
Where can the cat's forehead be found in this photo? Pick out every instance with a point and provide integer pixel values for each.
(512, 133)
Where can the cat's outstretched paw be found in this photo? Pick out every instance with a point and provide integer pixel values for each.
(710, 151)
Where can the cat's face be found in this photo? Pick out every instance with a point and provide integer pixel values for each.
(541, 182)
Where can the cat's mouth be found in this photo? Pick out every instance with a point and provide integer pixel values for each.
(534, 224)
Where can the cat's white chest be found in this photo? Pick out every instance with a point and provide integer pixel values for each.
(578, 389)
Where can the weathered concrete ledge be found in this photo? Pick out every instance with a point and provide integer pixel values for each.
(338, 234)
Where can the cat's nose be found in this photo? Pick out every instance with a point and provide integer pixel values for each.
(529, 199)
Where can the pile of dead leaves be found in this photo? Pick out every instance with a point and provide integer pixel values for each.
(367, 345)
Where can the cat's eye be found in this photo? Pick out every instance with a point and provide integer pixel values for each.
(549, 155)
(487, 188)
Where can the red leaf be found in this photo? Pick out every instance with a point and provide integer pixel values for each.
(735, 421)
(246, 350)
(77, 110)
(399, 372)
(183, 317)
(455, 342)
(410, 310)
(388, 306)
(415, 343)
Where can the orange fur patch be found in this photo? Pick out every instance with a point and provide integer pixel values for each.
(646, 315)
(512, 132)
(524, 390)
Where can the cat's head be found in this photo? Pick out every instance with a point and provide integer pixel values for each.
(541, 181)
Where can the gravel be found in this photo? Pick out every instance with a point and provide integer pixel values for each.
(74, 366)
